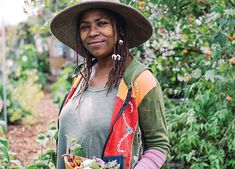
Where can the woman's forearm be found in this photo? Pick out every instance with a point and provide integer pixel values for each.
(151, 159)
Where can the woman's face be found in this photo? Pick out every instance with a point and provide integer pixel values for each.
(96, 33)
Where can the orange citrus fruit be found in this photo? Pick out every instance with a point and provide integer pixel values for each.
(208, 52)
(141, 4)
(231, 38)
(229, 98)
(185, 52)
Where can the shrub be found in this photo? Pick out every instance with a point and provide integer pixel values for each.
(24, 97)
(62, 85)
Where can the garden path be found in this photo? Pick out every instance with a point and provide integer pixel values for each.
(22, 137)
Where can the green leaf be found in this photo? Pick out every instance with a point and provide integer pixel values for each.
(5, 152)
(41, 164)
(210, 75)
(56, 135)
(79, 151)
(220, 38)
(32, 167)
(54, 159)
(12, 155)
(4, 142)
(3, 125)
(154, 1)
(41, 139)
(94, 165)
(218, 9)
(231, 22)
(223, 21)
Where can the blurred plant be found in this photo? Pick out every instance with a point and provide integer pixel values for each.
(46, 159)
(6, 157)
(62, 85)
(3, 126)
(76, 148)
(29, 59)
(24, 97)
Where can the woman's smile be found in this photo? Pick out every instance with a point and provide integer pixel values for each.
(95, 43)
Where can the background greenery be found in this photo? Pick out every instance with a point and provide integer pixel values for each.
(191, 52)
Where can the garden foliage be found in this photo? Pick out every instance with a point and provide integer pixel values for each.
(6, 157)
(26, 76)
(192, 54)
(62, 85)
(46, 159)
(26, 70)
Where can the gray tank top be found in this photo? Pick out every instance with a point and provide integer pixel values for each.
(86, 118)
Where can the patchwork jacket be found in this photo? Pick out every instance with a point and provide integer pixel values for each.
(138, 121)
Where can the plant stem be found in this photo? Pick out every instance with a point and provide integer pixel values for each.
(41, 153)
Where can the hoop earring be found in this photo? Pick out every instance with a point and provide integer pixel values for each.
(114, 57)
(119, 57)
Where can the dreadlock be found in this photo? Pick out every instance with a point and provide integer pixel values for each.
(119, 66)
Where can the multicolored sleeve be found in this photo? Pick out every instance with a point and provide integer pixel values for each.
(152, 113)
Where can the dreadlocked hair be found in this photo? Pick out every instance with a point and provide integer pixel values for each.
(119, 66)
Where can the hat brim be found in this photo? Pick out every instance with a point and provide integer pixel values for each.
(63, 26)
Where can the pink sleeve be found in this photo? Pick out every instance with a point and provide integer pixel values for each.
(152, 159)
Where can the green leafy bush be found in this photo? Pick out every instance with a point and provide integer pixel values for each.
(29, 58)
(62, 85)
(47, 157)
(192, 54)
(7, 160)
(201, 126)
(24, 96)
(45, 160)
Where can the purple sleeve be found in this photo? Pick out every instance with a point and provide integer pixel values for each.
(152, 159)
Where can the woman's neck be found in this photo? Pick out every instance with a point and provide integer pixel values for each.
(100, 72)
(104, 63)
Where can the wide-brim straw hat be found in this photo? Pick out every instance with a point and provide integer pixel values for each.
(64, 24)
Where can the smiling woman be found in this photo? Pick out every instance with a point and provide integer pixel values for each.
(115, 108)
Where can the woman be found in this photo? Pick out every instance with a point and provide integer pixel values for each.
(115, 108)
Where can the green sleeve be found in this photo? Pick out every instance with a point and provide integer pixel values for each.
(152, 121)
